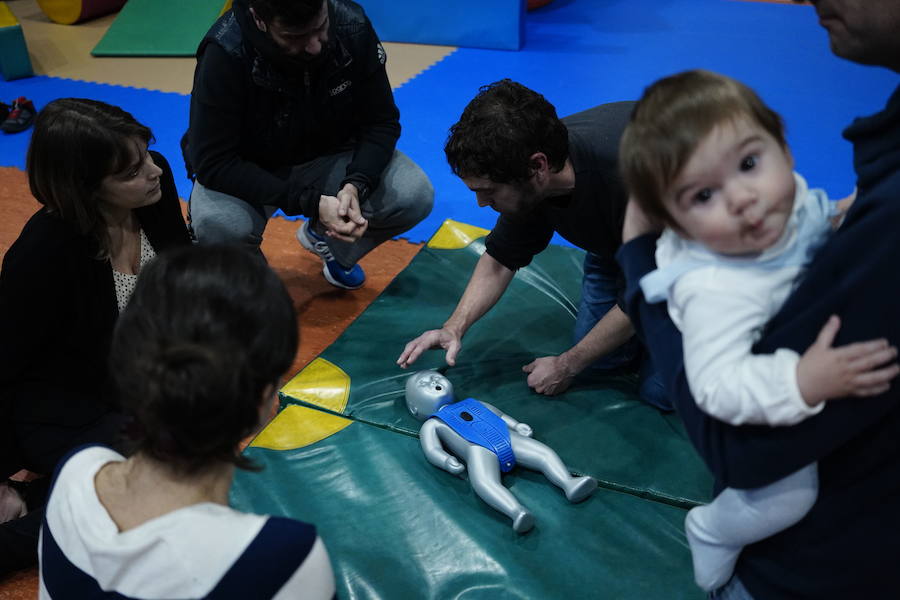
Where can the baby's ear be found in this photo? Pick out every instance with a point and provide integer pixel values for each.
(789, 155)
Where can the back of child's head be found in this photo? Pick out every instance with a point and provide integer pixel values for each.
(206, 332)
(670, 121)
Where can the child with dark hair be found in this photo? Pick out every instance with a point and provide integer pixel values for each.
(108, 205)
(196, 359)
(704, 155)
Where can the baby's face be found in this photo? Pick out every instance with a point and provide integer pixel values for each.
(736, 191)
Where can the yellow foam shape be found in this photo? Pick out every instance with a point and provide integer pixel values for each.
(321, 383)
(7, 19)
(225, 8)
(297, 427)
(65, 12)
(454, 235)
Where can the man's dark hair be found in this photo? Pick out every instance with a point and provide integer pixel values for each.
(293, 13)
(206, 332)
(500, 129)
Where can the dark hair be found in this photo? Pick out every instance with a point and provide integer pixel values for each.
(670, 121)
(499, 130)
(293, 13)
(207, 329)
(76, 143)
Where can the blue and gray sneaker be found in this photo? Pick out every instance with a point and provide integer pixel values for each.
(335, 274)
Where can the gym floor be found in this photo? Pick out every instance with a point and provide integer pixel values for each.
(61, 58)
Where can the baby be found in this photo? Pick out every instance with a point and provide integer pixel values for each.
(706, 157)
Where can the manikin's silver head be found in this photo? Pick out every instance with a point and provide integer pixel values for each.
(426, 392)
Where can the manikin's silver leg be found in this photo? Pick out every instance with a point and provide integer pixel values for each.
(484, 476)
(537, 456)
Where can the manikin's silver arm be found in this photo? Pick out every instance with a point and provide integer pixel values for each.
(517, 426)
(434, 449)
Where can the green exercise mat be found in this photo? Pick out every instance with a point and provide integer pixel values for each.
(598, 427)
(396, 527)
(159, 27)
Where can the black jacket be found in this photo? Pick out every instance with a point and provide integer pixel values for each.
(57, 313)
(255, 113)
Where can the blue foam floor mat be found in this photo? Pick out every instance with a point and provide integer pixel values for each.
(166, 113)
(580, 53)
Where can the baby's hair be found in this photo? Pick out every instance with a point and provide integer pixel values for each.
(206, 332)
(670, 121)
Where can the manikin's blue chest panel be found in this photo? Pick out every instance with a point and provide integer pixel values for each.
(478, 425)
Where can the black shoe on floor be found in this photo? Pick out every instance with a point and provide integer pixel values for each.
(20, 117)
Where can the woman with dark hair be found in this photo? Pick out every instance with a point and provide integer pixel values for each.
(196, 360)
(109, 205)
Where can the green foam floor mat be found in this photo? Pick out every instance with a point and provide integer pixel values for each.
(396, 527)
(598, 427)
(344, 454)
(159, 28)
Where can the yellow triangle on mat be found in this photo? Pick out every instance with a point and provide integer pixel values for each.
(321, 383)
(298, 426)
(454, 235)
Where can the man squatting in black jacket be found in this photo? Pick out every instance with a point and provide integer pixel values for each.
(292, 109)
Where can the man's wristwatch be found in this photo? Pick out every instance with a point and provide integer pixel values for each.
(362, 187)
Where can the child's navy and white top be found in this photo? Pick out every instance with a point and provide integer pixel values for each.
(201, 551)
(721, 303)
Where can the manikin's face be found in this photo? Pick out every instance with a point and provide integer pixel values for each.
(505, 198)
(304, 42)
(426, 392)
(736, 191)
(138, 185)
